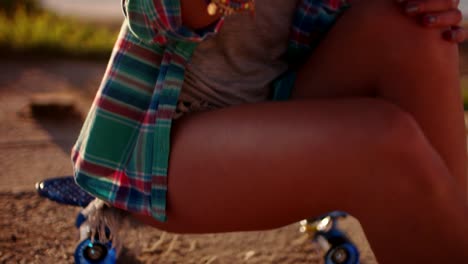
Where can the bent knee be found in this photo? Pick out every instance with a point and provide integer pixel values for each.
(401, 136)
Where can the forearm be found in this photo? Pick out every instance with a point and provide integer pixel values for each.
(195, 15)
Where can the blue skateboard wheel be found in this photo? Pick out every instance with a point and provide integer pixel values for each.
(88, 252)
(345, 253)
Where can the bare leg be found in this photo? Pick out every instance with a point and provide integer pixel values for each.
(267, 165)
(374, 50)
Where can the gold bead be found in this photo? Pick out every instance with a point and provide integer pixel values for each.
(212, 9)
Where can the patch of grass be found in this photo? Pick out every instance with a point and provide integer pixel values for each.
(43, 34)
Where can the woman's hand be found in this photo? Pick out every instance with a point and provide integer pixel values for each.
(438, 14)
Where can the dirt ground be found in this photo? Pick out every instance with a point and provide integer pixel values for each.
(39, 231)
(36, 146)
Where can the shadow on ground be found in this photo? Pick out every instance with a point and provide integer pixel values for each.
(57, 114)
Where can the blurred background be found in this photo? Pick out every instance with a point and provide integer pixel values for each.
(53, 54)
(52, 28)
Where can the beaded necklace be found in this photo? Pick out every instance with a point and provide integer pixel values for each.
(229, 7)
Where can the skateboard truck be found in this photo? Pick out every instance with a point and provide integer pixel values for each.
(323, 230)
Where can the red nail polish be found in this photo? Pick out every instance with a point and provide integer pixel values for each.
(429, 20)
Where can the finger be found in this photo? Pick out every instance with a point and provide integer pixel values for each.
(417, 7)
(456, 35)
(442, 19)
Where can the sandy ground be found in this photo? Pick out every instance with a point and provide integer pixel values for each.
(38, 231)
(34, 147)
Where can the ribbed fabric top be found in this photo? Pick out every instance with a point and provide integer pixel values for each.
(239, 63)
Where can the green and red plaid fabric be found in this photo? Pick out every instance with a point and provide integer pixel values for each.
(122, 153)
(313, 19)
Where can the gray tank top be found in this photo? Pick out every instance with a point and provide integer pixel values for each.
(238, 64)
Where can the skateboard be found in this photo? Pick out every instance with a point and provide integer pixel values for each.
(338, 248)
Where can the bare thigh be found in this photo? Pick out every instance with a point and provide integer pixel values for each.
(263, 166)
(257, 159)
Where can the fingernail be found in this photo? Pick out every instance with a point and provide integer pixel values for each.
(429, 19)
(412, 8)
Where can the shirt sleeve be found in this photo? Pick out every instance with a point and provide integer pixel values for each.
(158, 21)
(110, 129)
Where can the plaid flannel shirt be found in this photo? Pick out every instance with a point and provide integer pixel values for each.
(122, 153)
